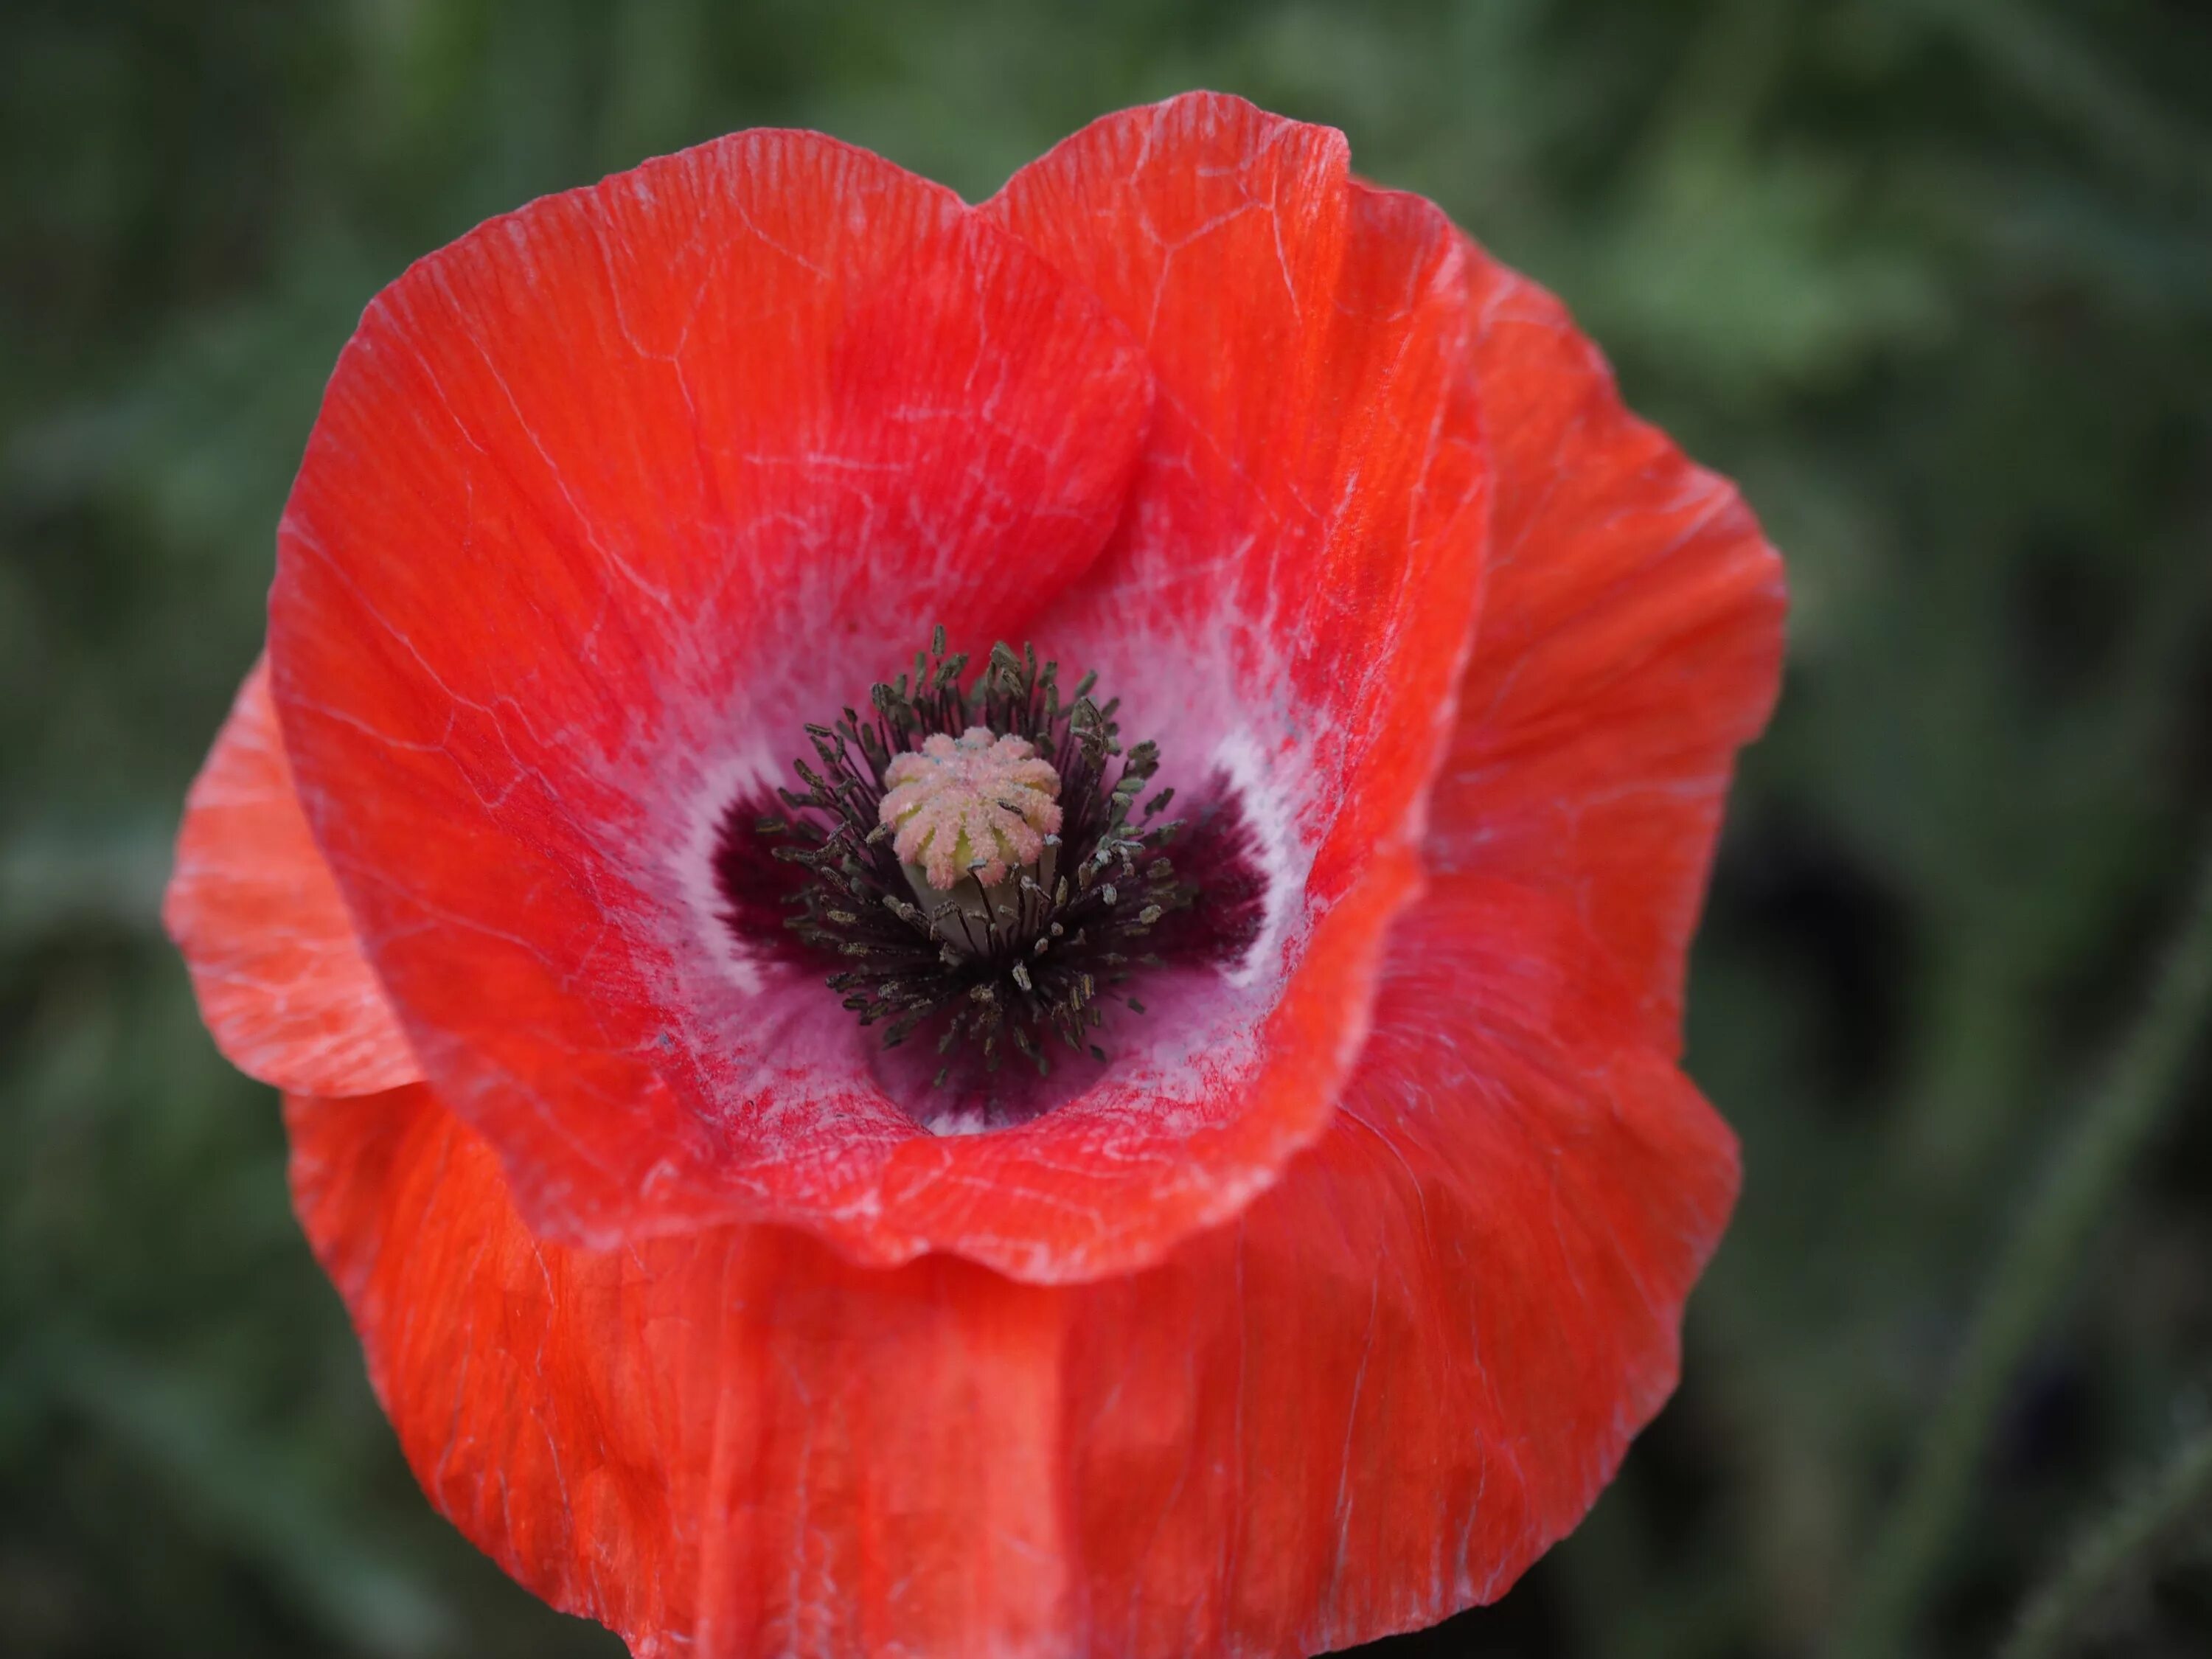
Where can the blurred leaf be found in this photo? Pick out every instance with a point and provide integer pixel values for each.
(212, 1468)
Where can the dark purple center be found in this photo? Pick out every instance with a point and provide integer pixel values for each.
(808, 877)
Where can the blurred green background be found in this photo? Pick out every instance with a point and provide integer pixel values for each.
(1933, 278)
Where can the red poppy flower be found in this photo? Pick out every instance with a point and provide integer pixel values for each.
(1307, 1264)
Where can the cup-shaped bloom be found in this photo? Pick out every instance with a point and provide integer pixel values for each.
(1307, 1265)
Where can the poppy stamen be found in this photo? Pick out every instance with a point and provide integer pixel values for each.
(978, 856)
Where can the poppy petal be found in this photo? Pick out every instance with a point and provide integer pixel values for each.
(1386, 1389)
(1285, 605)
(727, 1442)
(1629, 642)
(281, 979)
(1293, 593)
(605, 501)
(1370, 1400)
(505, 594)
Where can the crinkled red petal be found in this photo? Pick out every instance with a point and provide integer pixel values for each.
(610, 497)
(1629, 642)
(1370, 1400)
(605, 501)
(1293, 593)
(1405, 1372)
(281, 979)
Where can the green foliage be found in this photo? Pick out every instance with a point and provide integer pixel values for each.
(1932, 277)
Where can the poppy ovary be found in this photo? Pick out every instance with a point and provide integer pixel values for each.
(971, 812)
(979, 862)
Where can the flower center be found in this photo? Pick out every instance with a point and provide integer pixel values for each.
(977, 856)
